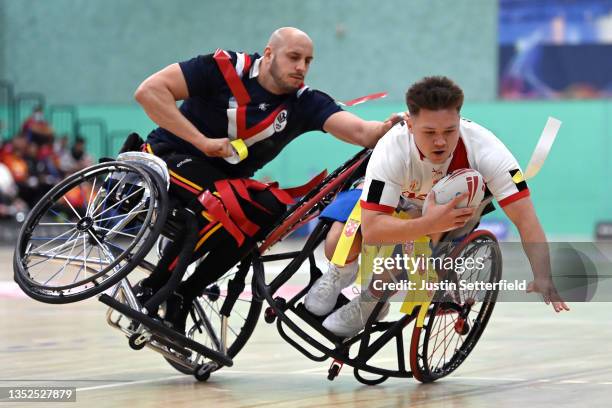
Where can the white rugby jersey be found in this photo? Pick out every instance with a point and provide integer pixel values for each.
(397, 168)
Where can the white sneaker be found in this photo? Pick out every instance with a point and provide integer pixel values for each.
(322, 296)
(351, 318)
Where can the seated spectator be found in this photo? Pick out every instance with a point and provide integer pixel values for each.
(60, 145)
(76, 158)
(50, 161)
(36, 129)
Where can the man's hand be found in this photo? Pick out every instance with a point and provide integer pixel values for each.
(547, 289)
(216, 147)
(445, 217)
(392, 120)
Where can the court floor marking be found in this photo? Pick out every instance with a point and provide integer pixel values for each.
(312, 373)
(139, 382)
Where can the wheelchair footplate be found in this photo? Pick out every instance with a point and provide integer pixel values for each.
(155, 331)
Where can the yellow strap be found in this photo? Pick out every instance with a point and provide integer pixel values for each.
(241, 148)
(419, 248)
(420, 297)
(349, 232)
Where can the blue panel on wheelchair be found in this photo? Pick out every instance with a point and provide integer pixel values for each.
(341, 207)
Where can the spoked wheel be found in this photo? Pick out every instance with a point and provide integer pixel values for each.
(89, 231)
(457, 319)
(205, 324)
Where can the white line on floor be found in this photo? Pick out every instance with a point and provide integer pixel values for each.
(153, 380)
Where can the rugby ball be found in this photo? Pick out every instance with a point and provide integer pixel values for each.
(458, 182)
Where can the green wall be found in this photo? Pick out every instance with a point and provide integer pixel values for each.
(571, 192)
(95, 53)
(91, 51)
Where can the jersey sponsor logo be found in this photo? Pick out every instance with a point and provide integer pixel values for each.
(415, 185)
(281, 121)
(518, 179)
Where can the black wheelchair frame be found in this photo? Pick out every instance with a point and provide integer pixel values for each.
(152, 218)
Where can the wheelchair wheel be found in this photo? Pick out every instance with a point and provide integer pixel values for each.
(89, 231)
(456, 319)
(204, 322)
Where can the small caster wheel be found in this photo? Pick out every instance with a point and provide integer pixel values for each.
(202, 372)
(334, 370)
(269, 315)
(137, 341)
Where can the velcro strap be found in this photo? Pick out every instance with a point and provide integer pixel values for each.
(241, 188)
(228, 211)
(280, 194)
(216, 209)
(234, 209)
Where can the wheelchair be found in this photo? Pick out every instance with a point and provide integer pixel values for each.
(101, 224)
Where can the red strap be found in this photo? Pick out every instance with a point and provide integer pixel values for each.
(243, 192)
(245, 132)
(215, 208)
(228, 211)
(301, 191)
(224, 62)
(281, 195)
(234, 209)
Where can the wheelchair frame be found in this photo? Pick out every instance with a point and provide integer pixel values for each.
(178, 349)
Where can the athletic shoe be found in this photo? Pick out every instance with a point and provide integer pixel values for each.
(322, 296)
(351, 318)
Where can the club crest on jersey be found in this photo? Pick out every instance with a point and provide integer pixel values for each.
(437, 175)
(281, 121)
(351, 227)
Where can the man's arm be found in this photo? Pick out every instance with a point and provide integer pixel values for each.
(522, 214)
(158, 95)
(380, 228)
(352, 129)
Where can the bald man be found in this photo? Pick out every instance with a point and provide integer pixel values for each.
(226, 96)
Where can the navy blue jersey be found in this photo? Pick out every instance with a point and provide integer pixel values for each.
(226, 100)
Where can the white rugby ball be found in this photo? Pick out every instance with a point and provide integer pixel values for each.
(458, 182)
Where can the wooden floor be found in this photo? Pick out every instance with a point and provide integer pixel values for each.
(527, 357)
